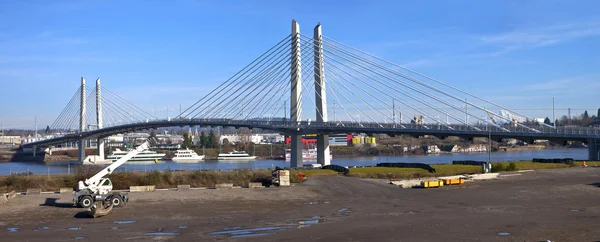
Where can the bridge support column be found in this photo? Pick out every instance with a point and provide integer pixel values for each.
(81, 145)
(320, 97)
(34, 150)
(594, 149)
(296, 94)
(81, 150)
(100, 141)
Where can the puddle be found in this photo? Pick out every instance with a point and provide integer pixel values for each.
(412, 212)
(114, 228)
(183, 227)
(163, 233)
(12, 230)
(342, 210)
(575, 210)
(312, 203)
(326, 202)
(309, 222)
(251, 232)
(230, 228)
(74, 228)
(125, 221)
(503, 233)
(41, 228)
(80, 237)
(316, 216)
(250, 235)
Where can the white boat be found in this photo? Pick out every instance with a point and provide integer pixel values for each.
(187, 155)
(307, 154)
(236, 155)
(145, 155)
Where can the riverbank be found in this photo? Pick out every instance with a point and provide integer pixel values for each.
(170, 179)
(262, 152)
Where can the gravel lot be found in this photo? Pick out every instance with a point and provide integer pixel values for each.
(556, 205)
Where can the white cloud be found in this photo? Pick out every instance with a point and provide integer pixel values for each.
(542, 36)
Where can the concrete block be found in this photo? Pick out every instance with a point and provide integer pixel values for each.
(224, 185)
(34, 191)
(3, 199)
(65, 190)
(410, 183)
(283, 172)
(11, 195)
(183, 187)
(255, 185)
(142, 188)
(487, 176)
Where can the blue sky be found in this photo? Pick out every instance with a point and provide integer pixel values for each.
(167, 53)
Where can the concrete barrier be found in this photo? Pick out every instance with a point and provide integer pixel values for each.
(33, 191)
(64, 190)
(255, 185)
(11, 195)
(142, 188)
(183, 187)
(224, 185)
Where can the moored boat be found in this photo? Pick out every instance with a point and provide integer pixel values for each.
(236, 155)
(145, 155)
(187, 155)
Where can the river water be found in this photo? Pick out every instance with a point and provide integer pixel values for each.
(64, 167)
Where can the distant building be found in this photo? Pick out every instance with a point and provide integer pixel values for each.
(431, 149)
(14, 140)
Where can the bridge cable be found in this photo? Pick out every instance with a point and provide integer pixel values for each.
(432, 79)
(412, 88)
(223, 86)
(447, 94)
(252, 81)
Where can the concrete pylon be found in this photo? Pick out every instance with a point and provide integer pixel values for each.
(594, 149)
(100, 142)
(296, 93)
(320, 97)
(81, 145)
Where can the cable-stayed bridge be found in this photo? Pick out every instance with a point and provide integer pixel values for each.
(317, 85)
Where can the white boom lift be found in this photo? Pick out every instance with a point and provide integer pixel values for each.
(99, 186)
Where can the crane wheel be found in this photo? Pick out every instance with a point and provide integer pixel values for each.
(116, 201)
(86, 202)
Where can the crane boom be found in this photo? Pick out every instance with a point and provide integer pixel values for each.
(94, 180)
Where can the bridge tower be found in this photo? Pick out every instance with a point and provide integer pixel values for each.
(296, 92)
(320, 97)
(594, 149)
(99, 119)
(81, 145)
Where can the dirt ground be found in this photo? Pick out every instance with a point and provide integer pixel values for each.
(556, 205)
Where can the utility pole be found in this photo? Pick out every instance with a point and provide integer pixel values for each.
(394, 111)
(35, 138)
(284, 110)
(553, 117)
(569, 116)
(334, 117)
(2, 130)
(490, 146)
(466, 112)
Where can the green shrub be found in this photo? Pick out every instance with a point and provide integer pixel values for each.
(511, 167)
(498, 167)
